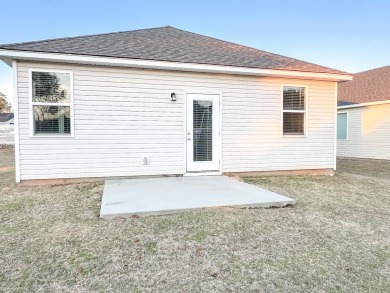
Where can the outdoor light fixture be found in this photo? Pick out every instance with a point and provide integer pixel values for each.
(173, 97)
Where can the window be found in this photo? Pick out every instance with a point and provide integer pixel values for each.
(294, 110)
(51, 102)
(342, 125)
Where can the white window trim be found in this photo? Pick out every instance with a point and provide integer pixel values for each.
(305, 112)
(31, 104)
(190, 91)
(347, 138)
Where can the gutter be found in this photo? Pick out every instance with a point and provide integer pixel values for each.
(363, 104)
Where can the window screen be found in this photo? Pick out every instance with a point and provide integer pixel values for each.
(50, 87)
(293, 98)
(293, 123)
(52, 119)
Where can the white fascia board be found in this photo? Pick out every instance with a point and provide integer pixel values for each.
(363, 104)
(165, 65)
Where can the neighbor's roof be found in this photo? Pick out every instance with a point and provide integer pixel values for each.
(169, 44)
(4, 117)
(366, 87)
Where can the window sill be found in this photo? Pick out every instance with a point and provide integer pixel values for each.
(294, 135)
(51, 136)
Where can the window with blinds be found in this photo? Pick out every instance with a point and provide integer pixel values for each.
(203, 130)
(51, 102)
(294, 110)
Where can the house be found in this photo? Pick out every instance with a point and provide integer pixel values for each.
(178, 103)
(364, 115)
(6, 119)
(7, 128)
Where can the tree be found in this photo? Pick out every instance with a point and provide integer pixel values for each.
(5, 106)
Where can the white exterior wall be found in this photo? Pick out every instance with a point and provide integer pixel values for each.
(368, 133)
(122, 113)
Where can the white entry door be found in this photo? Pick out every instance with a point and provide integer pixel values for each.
(203, 133)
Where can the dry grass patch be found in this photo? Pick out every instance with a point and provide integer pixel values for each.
(7, 158)
(336, 239)
(375, 168)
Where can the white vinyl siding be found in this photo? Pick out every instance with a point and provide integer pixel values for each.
(122, 114)
(251, 129)
(368, 133)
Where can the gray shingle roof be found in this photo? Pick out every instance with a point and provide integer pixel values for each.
(169, 44)
(367, 86)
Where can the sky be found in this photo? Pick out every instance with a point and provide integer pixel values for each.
(348, 35)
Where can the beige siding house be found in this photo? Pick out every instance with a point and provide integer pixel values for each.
(364, 115)
(167, 102)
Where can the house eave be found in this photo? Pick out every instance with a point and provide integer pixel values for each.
(165, 65)
(6, 60)
(363, 104)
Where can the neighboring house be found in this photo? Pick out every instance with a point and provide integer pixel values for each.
(7, 128)
(364, 115)
(177, 103)
(6, 119)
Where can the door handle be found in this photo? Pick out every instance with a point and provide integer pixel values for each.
(188, 138)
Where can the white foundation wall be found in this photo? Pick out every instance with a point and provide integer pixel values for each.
(368, 133)
(123, 114)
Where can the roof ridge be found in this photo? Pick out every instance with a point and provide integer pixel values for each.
(83, 36)
(372, 69)
(253, 48)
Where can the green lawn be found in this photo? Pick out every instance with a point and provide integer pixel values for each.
(335, 239)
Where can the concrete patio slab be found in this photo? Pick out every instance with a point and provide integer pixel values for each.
(157, 196)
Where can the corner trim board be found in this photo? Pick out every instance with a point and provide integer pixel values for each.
(16, 120)
(335, 128)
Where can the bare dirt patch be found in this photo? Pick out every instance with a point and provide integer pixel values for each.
(6, 169)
